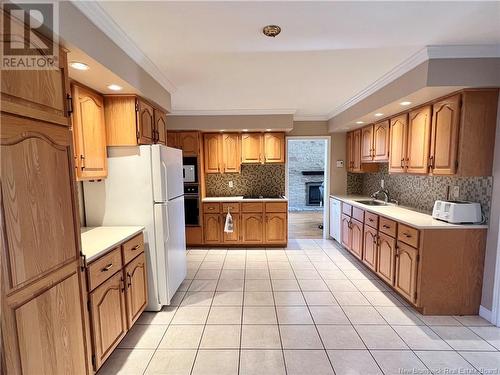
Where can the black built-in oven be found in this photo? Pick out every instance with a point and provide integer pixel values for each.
(191, 205)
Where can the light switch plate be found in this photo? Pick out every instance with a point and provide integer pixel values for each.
(455, 192)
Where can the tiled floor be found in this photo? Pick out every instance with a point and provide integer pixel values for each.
(308, 309)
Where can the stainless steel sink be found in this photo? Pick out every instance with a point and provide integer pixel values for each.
(370, 202)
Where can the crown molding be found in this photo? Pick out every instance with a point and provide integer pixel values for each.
(232, 112)
(311, 118)
(98, 16)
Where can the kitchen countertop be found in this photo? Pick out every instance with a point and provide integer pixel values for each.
(405, 215)
(97, 241)
(241, 199)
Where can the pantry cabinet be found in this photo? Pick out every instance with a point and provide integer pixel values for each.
(397, 144)
(89, 133)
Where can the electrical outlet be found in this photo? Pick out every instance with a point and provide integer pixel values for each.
(455, 192)
(340, 164)
(231, 184)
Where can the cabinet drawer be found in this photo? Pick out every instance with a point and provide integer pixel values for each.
(358, 214)
(252, 207)
(232, 207)
(387, 226)
(408, 235)
(104, 267)
(346, 209)
(211, 208)
(276, 207)
(132, 248)
(371, 219)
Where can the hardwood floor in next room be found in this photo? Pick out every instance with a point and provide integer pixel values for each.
(305, 224)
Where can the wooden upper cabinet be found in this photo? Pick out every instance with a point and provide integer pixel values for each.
(367, 143)
(356, 150)
(136, 288)
(172, 139)
(274, 148)
(231, 153)
(212, 152)
(406, 271)
(145, 123)
(89, 134)
(189, 143)
(276, 228)
(444, 136)
(252, 228)
(398, 139)
(385, 257)
(418, 144)
(251, 148)
(381, 141)
(160, 126)
(349, 161)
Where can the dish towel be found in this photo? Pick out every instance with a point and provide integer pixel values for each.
(228, 226)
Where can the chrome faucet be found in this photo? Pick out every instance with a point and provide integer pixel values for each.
(381, 191)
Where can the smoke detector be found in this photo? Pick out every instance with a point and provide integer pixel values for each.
(271, 30)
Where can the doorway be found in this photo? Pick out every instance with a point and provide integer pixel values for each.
(307, 186)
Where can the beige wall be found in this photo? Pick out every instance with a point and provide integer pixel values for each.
(338, 176)
(230, 122)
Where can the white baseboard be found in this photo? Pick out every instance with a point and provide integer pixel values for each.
(485, 313)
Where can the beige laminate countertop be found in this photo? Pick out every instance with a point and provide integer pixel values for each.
(404, 215)
(240, 198)
(97, 241)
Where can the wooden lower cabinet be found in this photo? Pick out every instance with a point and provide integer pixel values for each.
(385, 258)
(370, 247)
(357, 238)
(276, 228)
(212, 228)
(233, 237)
(406, 271)
(252, 228)
(346, 236)
(137, 291)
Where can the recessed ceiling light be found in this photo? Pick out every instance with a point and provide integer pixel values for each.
(360, 122)
(271, 30)
(114, 87)
(222, 130)
(79, 65)
(245, 130)
(405, 103)
(268, 130)
(378, 114)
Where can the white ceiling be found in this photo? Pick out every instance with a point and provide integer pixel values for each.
(218, 61)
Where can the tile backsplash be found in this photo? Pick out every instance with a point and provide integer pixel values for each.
(420, 192)
(254, 179)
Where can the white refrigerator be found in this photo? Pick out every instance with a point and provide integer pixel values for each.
(145, 187)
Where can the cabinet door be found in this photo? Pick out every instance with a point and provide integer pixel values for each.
(356, 150)
(251, 148)
(160, 126)
(367, 143)
(346, 231)
(189, 143)
(172, 139)
(145, 123)
(231, 153)
(370, 247)
(252, 228)
(212, 228)
(274, 148)
(276, 228)
(108, 317)
(89, 134)
(385, 257)
(406, 271)
(349, 152)
(137, 288)
(397, 149)
(234, 237)
(444, 136)
(212, 152)
(419, 132)
(381, 141)
(357, 238)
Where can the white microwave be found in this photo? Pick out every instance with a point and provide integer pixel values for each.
(189, 173)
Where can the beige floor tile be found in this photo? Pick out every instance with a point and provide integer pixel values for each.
(363, 315)
(301, 362)
(171, 362)
(351, 299)
(421, 338)
(307, 275)
(143, 336)
(473, 321)
(293, 315)
(221, 337)
(341, 285)
(398, 362)
(370, 285)
(262, 362)
(320, 299)
(332, 274)
(257, 274)
(182, 337)
(313, 285)
(263, 285)
(190, 274)
(355, 274)
(184, 285)
(490, 334)
(126, 362)
(282, 274)
(177, 298)
(380, 337)
(216, 362)
(300, 337)
(260, 337)
(353, 362)
(438, 320)
(279, 265)
(203, 285)
(230, 285)
(256, 265)
(399, 315)
(328, 315)
(258, 299)
(259, 315)
(207, 274)
(191, 315)
(211, 265)
(161, 317)
(441, 362)
(483, 360)
(462, 338)
(289, 299)
(382, 299)
(284, 285)
(228, 299)
(233, 274)
(340, 337)
(303, 266)
(197, 299)
(234, 265)
(225, 315)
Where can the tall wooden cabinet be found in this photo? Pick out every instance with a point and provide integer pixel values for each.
(43, 320)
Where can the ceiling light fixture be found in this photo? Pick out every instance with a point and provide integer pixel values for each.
(360, 122)
(268, 130)
(245, 130)
(405, 103)
(114, 87)
(378, 114)
(79, 65)
(271, 30)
